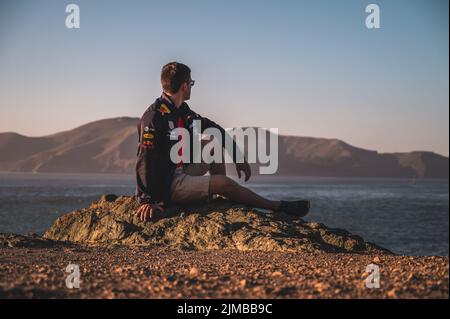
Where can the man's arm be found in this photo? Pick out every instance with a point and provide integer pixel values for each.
(242, 164)
(207, 123)
(149, 143)
(146, 170)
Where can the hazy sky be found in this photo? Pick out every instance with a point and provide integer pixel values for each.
(309, 68)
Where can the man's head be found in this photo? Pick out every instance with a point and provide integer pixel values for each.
(176, 79)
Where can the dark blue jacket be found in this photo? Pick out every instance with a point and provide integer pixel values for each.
(154, 168)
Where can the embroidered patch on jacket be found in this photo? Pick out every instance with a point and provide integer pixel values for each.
(171, 134)
(147, 144)
(163, 109)
(147, 138)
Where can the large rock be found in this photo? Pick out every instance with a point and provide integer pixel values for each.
(217, 225)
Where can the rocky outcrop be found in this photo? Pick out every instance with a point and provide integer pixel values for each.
(219, 224)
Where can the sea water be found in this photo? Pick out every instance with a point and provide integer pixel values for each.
(407, 216)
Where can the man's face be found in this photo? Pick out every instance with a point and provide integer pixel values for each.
(186, 87)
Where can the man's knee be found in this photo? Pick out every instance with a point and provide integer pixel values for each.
(221, 184)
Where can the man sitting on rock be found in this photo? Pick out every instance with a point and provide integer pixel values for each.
(160, 181)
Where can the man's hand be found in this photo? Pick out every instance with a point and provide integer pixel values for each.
(147, 210)
(243, 167)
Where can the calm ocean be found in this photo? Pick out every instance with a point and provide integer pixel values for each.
(406, 216)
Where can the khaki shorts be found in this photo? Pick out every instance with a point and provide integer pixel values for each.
(190, 184)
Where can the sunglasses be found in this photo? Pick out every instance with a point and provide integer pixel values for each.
(191, 82)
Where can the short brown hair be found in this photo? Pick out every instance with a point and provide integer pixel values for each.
(173, 75)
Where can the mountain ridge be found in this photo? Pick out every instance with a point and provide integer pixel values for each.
(110, 145)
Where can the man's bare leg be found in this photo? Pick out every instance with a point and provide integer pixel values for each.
(225, 186)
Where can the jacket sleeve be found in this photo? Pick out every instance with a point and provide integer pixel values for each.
(146, 165)
(207, 123)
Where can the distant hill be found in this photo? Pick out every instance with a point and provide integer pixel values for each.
(109, 146)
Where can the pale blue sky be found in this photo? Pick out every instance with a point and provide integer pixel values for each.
(309, 68)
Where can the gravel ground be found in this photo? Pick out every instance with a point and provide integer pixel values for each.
(139, 272)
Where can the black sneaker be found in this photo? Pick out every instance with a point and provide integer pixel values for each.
(299, 208)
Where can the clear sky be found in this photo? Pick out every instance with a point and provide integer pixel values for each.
(309, 68)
